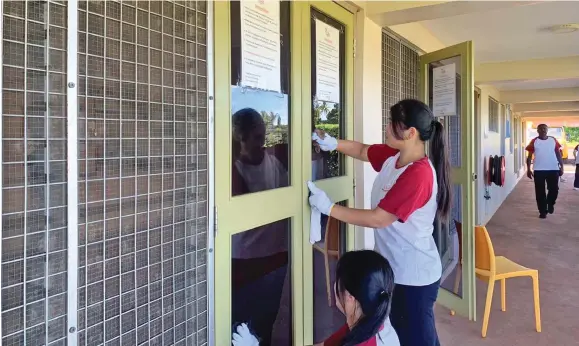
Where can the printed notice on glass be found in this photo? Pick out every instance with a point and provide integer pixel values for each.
(260, 45)
(327, 62)
(444, 90)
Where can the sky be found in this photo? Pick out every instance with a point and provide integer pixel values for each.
(260, 100)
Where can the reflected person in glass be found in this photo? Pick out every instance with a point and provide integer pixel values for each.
(260, 255)
(409, 192)
(363, 292)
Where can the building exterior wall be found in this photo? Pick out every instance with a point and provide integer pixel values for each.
(490, 144)
(368, 112)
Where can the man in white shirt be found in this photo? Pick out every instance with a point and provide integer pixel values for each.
(576, 156)
(547, 168)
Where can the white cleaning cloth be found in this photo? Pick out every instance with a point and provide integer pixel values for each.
(315, 226)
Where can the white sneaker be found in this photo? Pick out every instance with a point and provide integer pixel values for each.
(576, 188)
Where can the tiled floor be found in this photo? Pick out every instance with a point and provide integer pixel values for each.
(552, 247)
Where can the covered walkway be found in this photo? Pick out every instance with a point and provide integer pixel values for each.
(552, 247)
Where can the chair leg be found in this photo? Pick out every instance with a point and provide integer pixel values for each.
(504, 295)
(328, 284)
(488, 304)
(536, 302)
(457, 277)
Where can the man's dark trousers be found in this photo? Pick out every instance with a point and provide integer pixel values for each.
(544, 200)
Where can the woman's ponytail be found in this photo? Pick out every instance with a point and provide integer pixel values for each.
(440, 160)
(369, 325)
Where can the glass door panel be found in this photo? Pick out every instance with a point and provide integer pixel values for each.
(455, 110)
(327, 24)
(261, 282)
(327, 111)
(327, 317)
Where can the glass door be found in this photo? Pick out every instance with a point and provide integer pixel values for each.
(447, 86)
(266, 270)
(327, 62)
(258, 170)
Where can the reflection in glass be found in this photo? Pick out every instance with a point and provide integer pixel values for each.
(327, 116)
(260, 133)
(260, 124)
(327, 317)
(447, 236)
(451, 240)
(260, 272)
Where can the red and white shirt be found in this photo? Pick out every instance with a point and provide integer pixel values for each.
(409, 193)
(545, 153)
(385, 337)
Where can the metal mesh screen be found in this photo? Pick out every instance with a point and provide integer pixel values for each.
(34, 218)
(400, 66)
(142, 173)
(493, 115)
(408, 73)
(390, 77)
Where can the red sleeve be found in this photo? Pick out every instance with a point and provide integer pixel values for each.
(378, 154)
(557, 144)
(531, 147)
(412, 190)
(336, 338)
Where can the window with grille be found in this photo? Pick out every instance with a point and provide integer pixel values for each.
(34, 164)
(503, 116)
(142, 173)
(399, 75)
(494, 116)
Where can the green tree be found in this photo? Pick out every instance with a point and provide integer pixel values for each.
(334, 115)
(320, 107)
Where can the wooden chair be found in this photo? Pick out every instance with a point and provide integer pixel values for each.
(330, 247)
(491, 268)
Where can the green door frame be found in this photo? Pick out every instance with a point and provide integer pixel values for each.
(463, 175)
(232, 212)
(338, 188)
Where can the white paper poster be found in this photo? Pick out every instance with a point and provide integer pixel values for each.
(327, 62)
(260, 45)
(444, 90)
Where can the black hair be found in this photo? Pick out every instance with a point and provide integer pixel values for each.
(413, 113)
(368, 277)
(243, 122)
(541, 125)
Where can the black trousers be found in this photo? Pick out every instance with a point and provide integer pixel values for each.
(412, 314)
(576, 182)
(544, 200)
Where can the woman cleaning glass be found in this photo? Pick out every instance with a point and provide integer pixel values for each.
(409, 192)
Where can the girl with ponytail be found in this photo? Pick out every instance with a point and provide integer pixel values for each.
(363, 290)
(412, 189)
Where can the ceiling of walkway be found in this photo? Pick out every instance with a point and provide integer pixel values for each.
(532, 67)
(511, 33)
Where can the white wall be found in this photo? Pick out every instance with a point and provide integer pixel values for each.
(490, 144)
(367, 111)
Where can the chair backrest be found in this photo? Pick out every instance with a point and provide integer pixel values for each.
(484, 251)
(332, 238)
